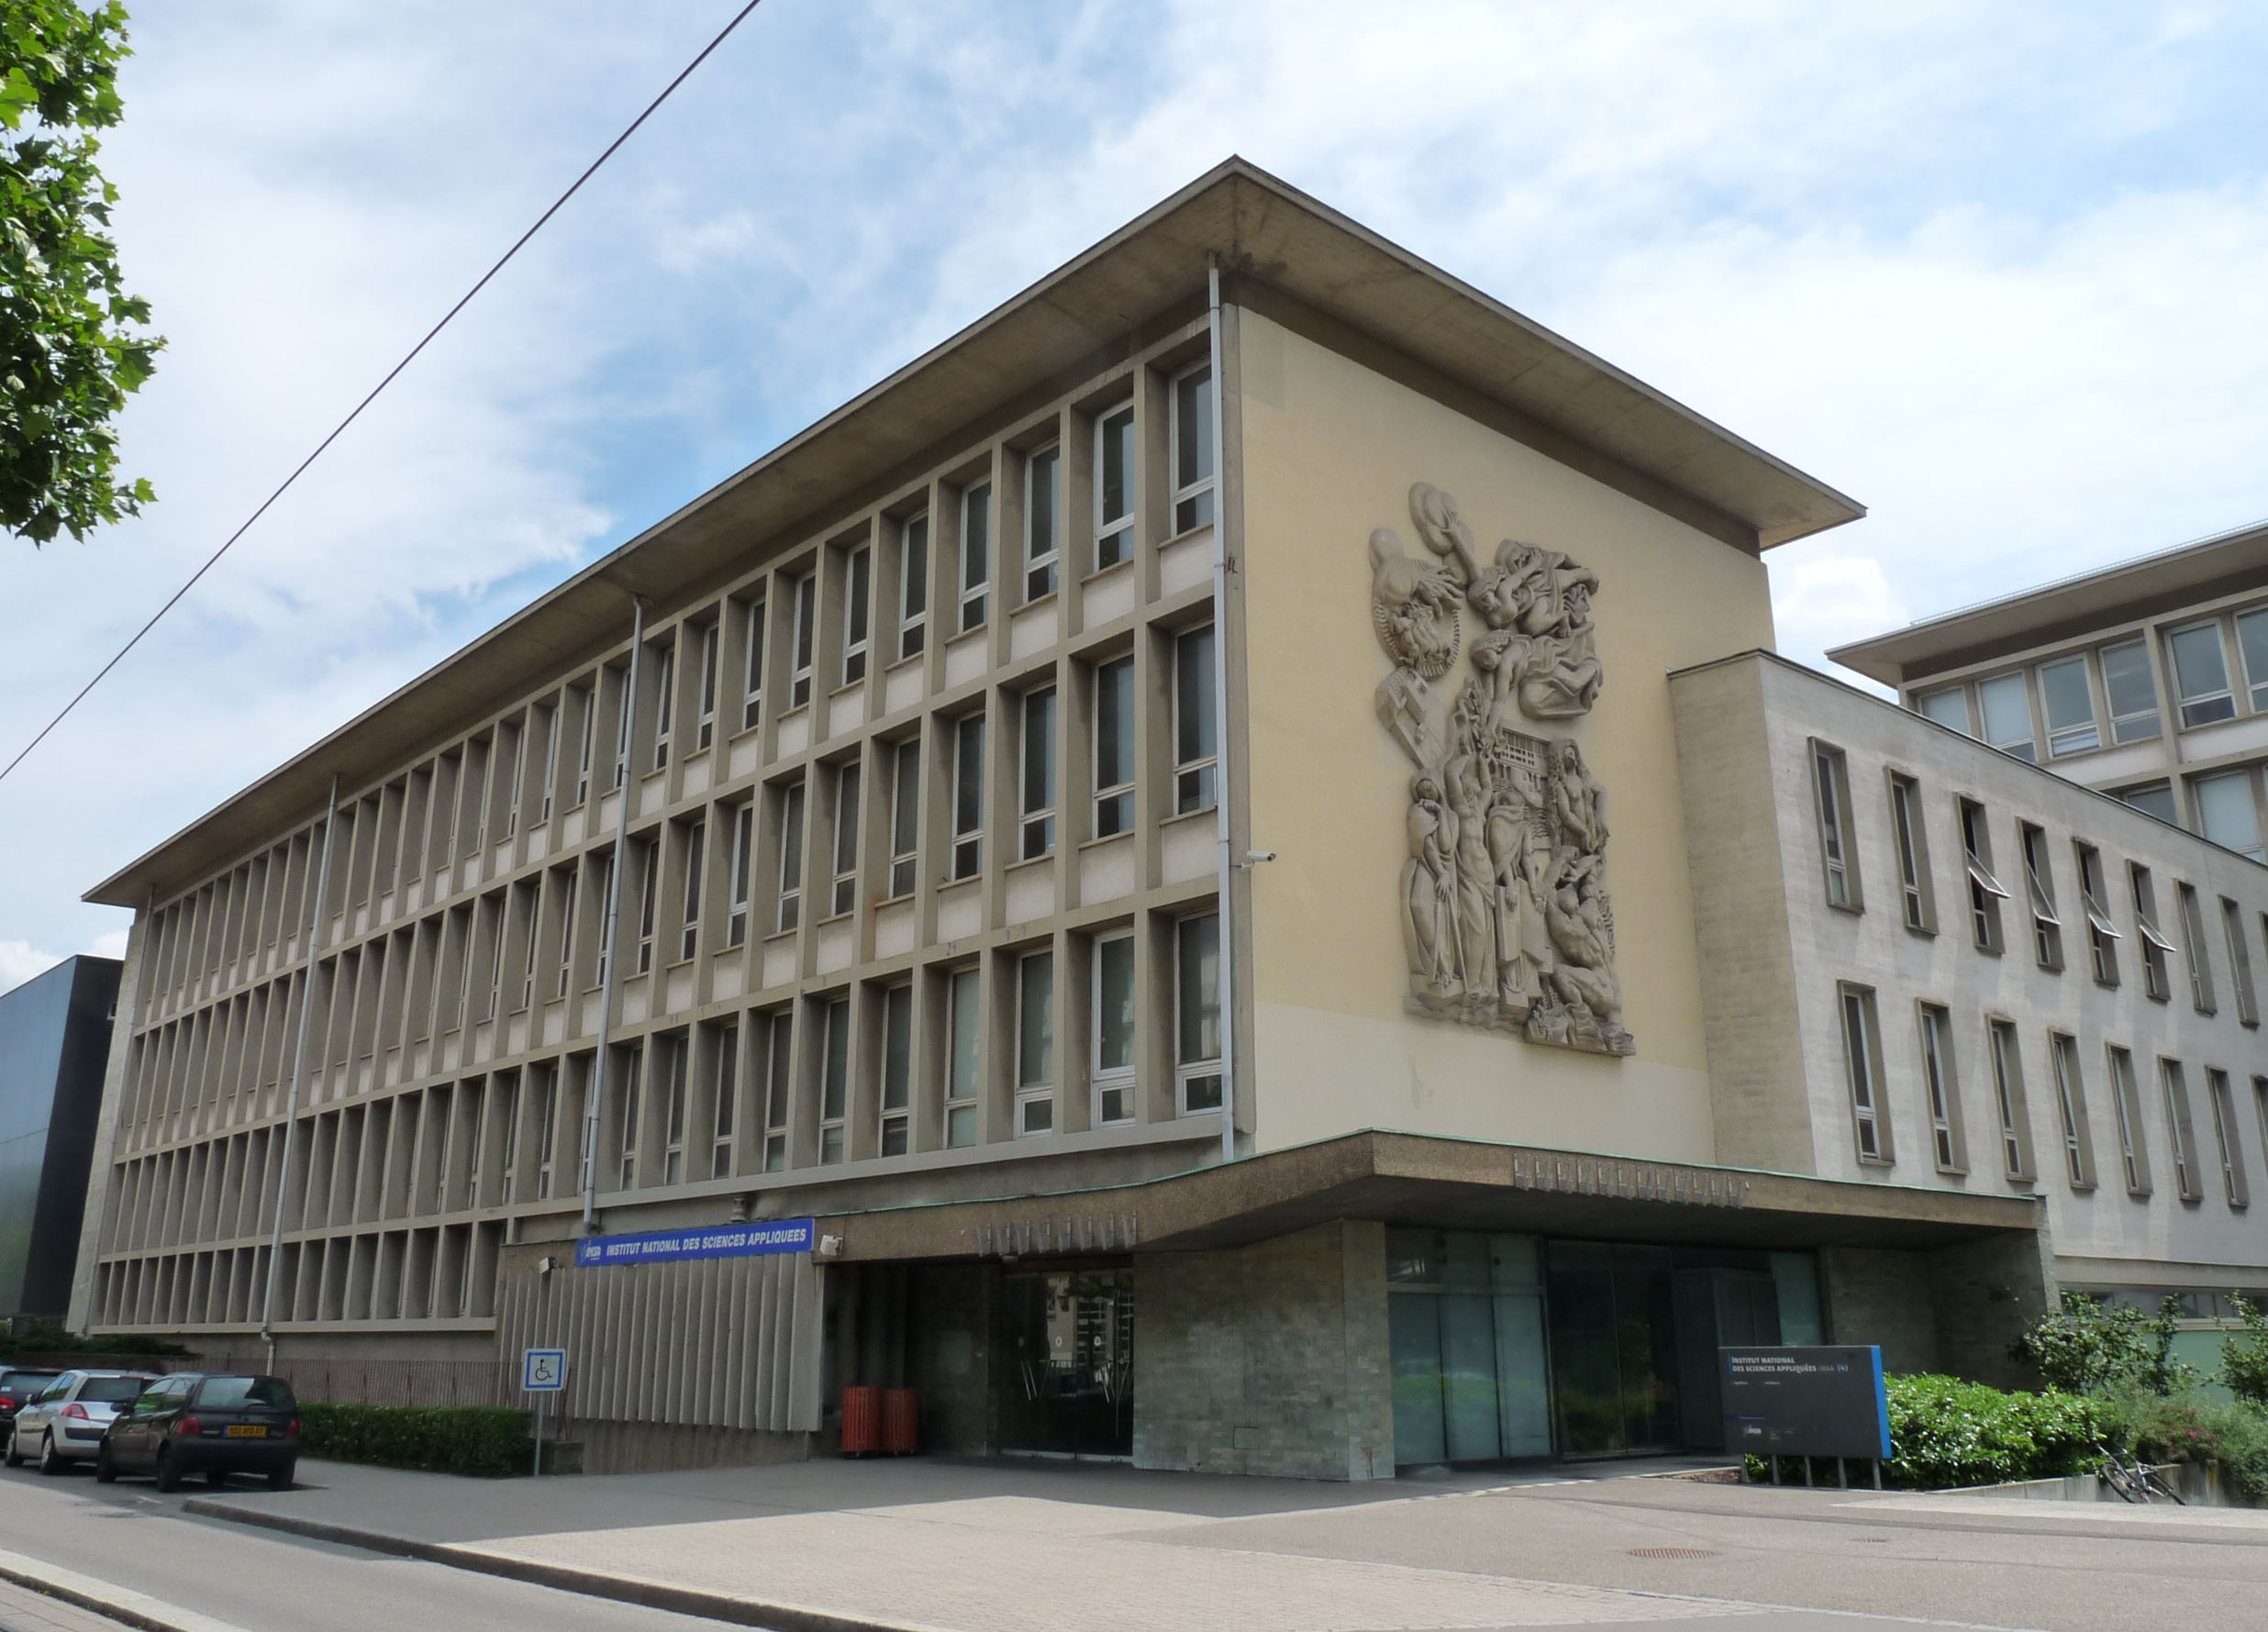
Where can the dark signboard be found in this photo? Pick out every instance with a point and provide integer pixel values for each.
(1816, 1401)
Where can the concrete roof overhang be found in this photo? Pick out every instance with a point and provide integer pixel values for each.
(1418, 1179)
(2145, 587)
(1071, 322)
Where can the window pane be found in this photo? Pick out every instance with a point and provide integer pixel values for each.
(1040, 518)
(1035, 1020)
(2225, 810)
(969, 776)
(1115, 480)
(1114, 1019)
(897, 1047)
(1947, 708)
(1192, 427)
(977, 537)
(807, 588)
(838, 1078)
(2127, 680)
(905, 817)
(913, 567)
(847, 819)
(2008, 714)
(1114, 724)
(2157, 799)
(2252, 641)
(854, 611)
(1197, 975)
(1193, 693)
(1039, 750)
(2069, 704)
(2198, 666)
(966, 1010)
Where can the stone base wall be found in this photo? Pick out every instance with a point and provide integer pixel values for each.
(1953, 1309)
(1267, 1359)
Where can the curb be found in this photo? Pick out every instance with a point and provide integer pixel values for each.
(590, 1584)
(98, 1597)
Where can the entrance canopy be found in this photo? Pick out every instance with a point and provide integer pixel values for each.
(1409, 1179)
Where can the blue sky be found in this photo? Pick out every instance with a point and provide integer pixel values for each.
(2000, 272)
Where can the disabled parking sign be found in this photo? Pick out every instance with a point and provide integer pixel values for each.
(543, 1370)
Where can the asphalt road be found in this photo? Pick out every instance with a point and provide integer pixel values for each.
(130, 1535)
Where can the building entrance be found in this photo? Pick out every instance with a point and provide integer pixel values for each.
(1465, 1326)
(1614, 1347)
(1068, 1386)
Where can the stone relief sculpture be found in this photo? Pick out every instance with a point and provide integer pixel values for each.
(1505, 915)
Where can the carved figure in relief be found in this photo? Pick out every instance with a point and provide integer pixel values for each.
(1503, 903)
(1429, 890)
(1476, 917)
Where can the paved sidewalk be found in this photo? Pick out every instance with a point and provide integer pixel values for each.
(945, 1546)
(982, 1545)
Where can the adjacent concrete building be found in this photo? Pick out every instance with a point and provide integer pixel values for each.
(2148, 680)
(1239, 968)
(55, 1033)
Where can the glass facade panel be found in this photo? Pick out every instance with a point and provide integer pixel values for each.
(2226, 815)
(2201, 674)
(2132, 692)
(1947, 707)
(2252, 641)
(2006, 701)
(2068, 701)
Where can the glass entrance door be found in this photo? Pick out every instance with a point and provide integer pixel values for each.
(1068, 1388)
(1614, 1347)
(1465, 1327)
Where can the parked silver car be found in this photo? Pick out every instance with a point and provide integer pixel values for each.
(65, 1421)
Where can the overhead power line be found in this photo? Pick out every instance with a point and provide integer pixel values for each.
(411, 356)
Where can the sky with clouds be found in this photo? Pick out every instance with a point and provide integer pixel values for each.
(1997, 270)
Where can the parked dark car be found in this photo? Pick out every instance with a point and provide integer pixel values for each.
(203, 1422)
(18, 1387)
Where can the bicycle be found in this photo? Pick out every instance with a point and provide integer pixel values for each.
(2135, 1480)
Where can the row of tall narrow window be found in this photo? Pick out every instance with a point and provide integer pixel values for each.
(1984, 894)
(1939, 1079)
(954, 1066)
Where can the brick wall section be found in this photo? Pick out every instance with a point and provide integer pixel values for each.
(1267, 1359)
(1882, 1297)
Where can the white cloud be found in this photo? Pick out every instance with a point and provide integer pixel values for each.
(20, 961)
(1999, 272)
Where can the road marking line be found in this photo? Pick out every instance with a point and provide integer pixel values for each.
(120, 1603)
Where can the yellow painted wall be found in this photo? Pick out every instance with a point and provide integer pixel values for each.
(1330, 451)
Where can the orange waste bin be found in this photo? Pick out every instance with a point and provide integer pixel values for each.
(901, 1421)
(861, 1421)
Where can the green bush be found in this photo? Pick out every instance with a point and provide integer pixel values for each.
(2244, 1360)
(47, 1338)
(487, 1441)
(1947, 1432)
(2088, 1346)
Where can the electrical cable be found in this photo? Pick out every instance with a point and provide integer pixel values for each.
(466, 299)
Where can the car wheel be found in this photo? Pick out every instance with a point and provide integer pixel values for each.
(50, 1459)
(280, 1479)
(106, 1470)
(15, 1456)
(166, 1476)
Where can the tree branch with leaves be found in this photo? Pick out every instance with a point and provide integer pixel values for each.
(74, 344)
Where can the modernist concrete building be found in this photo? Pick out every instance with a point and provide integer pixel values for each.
(1227, 839)
(55, 1032)
(2148, 680)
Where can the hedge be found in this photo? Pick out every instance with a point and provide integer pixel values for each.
(1946, 1433)
(487, 1441)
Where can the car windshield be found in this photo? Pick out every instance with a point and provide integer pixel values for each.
(113, 1390)
(218, 1392)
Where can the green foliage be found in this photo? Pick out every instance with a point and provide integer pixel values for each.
(53, 1340)
(71, 342)
(2244, 1360)
(1947, 1432)
(488, 1441)
(2089, 1347)
(2192, 1428)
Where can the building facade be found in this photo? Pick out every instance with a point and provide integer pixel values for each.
(55, 1032)
(2148, 680)
(1161, 831)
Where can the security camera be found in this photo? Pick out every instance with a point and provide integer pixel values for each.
(1255, 858)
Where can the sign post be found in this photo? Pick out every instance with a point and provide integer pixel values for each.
(1815, 1400)
(543, 1373)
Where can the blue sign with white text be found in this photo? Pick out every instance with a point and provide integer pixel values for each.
(707, 1240)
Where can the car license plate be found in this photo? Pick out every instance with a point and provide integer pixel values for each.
(243, 1430)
